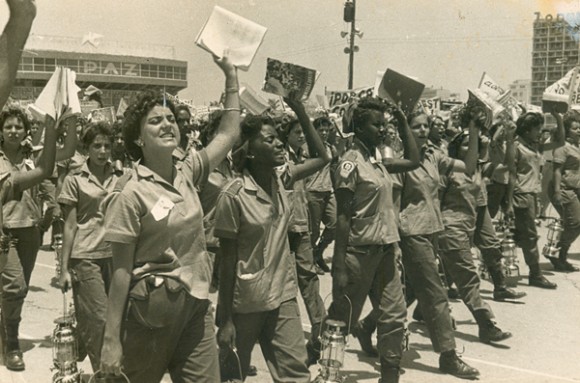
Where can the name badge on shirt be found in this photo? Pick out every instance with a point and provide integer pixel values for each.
(161, 208)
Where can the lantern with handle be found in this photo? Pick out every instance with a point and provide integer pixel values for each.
(508, 249)
(555, 229)
(65, 349)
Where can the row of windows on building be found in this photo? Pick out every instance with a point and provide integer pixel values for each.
(40, 64)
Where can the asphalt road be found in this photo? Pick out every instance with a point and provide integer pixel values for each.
(545, 346)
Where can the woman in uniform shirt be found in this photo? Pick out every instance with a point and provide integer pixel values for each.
(86, 258)
(158, 316)
(258, 281)
(567, 191)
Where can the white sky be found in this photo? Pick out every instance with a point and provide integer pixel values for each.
(443, 43)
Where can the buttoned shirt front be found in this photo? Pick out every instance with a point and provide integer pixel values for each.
(528, 163)
(265, 270)
(373, 221)
(420, 213)
(165, 223)
(85, 192)
(568, 156)
(22, 209)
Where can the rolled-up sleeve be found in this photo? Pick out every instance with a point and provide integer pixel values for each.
(69, 192)
(227, 216)
(122, 218)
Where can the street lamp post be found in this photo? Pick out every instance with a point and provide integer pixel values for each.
(351, 49)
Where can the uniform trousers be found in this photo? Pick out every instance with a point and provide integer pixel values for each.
(372, 271)
(279, 333)
(421, 268)
(526, 233)
(322, 208)
(308, 281)
(569, 212)
(91, 279)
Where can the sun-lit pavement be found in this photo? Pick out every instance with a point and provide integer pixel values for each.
(545, 346)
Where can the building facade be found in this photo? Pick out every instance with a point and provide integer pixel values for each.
(555, 51)
(521, 90)
(119, 70)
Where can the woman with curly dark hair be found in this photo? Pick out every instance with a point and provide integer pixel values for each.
(158, 299)
(366, 231)
(525, 185)
(21, 215)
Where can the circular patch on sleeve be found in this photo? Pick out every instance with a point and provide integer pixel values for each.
(346, 168)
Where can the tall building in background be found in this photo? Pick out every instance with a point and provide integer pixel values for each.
(554, 53)
(119, 70)
(521, 90)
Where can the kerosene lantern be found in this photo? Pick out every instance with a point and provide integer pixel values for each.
(65, 349)
(333, 342)
(508, 249)
(555, 229)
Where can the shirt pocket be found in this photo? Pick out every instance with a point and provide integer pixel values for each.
(251, 291)
(366, 231)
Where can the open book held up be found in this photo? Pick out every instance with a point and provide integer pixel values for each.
(227, 31)
(289, 80)
(400, 89)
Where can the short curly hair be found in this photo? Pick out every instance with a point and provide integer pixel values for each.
(134, 116)
(527, 121)
(365, 106)
(16, 112)
(569, 119)
(94, 129)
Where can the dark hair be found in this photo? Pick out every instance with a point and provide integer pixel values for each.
(527, 121)
(251, 127)
(94, 129)
(180, 107)
(362, 112)
(13, 111)
(134, 116)
(286, 128)
(317, 123)
(569, 119)
(208, 129)
(457, 141)
(418, 113)
(116, 128)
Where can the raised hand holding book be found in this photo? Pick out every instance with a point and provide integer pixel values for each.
(289, 80)
(227, 31)
(404, 91)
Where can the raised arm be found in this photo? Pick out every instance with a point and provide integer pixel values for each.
(559, 136)
(26, 179)
(12, 40)
(229, 129)
(318, 154)
(411, 154)
(473, 149)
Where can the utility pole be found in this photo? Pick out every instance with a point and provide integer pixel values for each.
(351, 49)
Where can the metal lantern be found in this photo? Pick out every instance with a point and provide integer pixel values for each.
(510, 259)
(499, 227)
(64, 350)
(555, 229)
(331, 360)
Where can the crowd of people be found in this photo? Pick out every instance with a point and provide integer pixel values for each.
(159, 213)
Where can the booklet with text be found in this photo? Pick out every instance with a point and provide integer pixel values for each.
(289, 80)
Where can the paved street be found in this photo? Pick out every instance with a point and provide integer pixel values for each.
(545, 346)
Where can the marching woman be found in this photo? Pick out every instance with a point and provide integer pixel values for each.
(567, 190)
(21, 216)
(366, 231)
(258, 281)
(459, 204)
(525, 185)
(86, 258)
(158, 316)
(420, 223)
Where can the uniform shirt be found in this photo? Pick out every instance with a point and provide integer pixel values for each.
(265, 270)
(296, 192)
(321, 181)
(528, 162)
(22, 209)
(500, 173)
(373, 221)
(83, 191)
(72, 164)
(568, 156)
(208, 197)
(459, 200)
(165, 223)
(420, 213)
